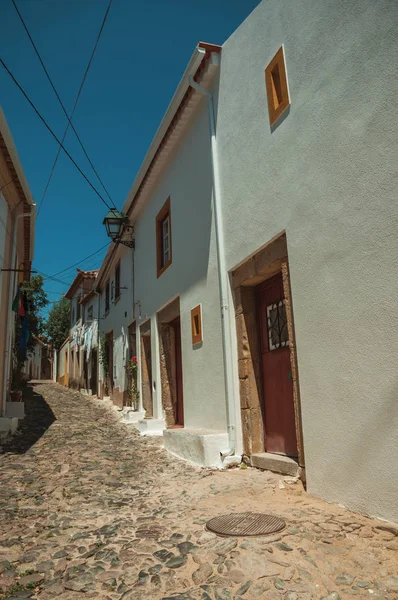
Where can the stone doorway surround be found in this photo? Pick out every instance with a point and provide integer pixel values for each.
(167, 354)
(263, 264)
(146, 369)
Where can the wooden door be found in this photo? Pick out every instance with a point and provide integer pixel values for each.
(94, 372)
(109, 351)
(178, 370)
(279, 418)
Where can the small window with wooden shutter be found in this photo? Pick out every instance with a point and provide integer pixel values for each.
(196, 324)
(276, 85)
(163, 238)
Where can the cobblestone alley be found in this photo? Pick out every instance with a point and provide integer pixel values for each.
(91, 510)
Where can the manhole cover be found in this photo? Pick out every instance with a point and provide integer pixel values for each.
(248, 523)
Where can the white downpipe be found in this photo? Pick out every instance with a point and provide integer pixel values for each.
(10, 320)
(222, 275)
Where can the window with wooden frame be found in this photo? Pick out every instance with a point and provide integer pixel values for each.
(107, 303)
(276, 85)
(163, 238)
(196, 324)
(79, 307)
(117, 282)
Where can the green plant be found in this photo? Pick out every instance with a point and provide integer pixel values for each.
(58, 322)
(104, 360)
(132, 387)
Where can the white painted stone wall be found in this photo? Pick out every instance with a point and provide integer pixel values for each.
(120, 314)
(192, 276)
(325, 175)
(3, 224)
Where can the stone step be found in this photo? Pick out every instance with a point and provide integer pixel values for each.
(275, 462)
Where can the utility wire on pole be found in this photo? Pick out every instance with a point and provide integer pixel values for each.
(3, 64)
(69, 117)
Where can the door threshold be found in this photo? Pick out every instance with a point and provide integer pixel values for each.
(278, 463)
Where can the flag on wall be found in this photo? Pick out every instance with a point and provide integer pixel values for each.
(18, 304)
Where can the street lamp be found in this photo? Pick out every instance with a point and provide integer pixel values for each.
(117, 228)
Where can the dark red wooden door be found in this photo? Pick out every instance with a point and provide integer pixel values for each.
(178, 364)
(279, 420)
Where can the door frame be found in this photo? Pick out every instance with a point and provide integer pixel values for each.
(259, 266)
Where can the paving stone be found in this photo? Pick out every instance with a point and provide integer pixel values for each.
(202, 573)
(176, 562)
(90, 505)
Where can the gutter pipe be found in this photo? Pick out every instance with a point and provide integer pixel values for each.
(222, 271)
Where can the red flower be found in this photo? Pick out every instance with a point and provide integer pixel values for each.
(134, 360)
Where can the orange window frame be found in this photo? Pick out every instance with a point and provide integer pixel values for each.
(276, 86)
(163, 214)
(196, 324)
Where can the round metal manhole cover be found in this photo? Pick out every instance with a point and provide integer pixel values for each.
(243, 524)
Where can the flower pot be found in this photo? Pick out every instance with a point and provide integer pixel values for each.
(16, 396)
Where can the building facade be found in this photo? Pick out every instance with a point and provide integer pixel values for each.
(17, 228)
(309, 218)
(74, 363)
(264, 220)
(116, 332)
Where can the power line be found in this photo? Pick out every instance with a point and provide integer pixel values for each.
(53, 134)
(62, 104)
(79, 262)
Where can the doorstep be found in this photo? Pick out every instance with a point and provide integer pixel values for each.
(130, 416)
(275, 462)
(197, 446)
(8, 426)
(15, 409)
(150, 426)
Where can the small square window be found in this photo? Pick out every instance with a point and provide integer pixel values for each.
(196, 324)
(276, 85)
(163, 238)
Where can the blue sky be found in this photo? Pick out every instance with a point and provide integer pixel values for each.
(142, 54)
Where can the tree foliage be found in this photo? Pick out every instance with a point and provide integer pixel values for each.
(36, 300)
(58, 322)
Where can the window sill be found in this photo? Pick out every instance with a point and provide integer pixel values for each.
(163, 269)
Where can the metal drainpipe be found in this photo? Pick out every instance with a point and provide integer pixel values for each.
(11, 286)
(222, 274)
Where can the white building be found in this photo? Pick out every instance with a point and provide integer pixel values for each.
(265, 228)
(116, 297)
(77, 356)
(17, 230)
(306, 163)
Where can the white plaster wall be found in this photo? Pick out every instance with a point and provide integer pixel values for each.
(326, 175)
(192, 275)
(120, 315)
(3, 224)
(61, 360)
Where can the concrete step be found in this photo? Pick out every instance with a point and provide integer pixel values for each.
(275, 462)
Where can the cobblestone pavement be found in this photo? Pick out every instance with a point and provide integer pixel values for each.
(91, 510)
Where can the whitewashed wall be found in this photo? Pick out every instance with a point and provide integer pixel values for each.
(325, 174)
(120, 314)
(192, 275)
(3, 224)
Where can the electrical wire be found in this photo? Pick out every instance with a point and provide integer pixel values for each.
(69, 118)
(79, 262)
(3, 64)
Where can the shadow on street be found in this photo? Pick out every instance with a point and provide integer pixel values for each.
(38, 418)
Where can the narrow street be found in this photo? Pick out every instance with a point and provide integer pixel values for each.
(91, 510)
